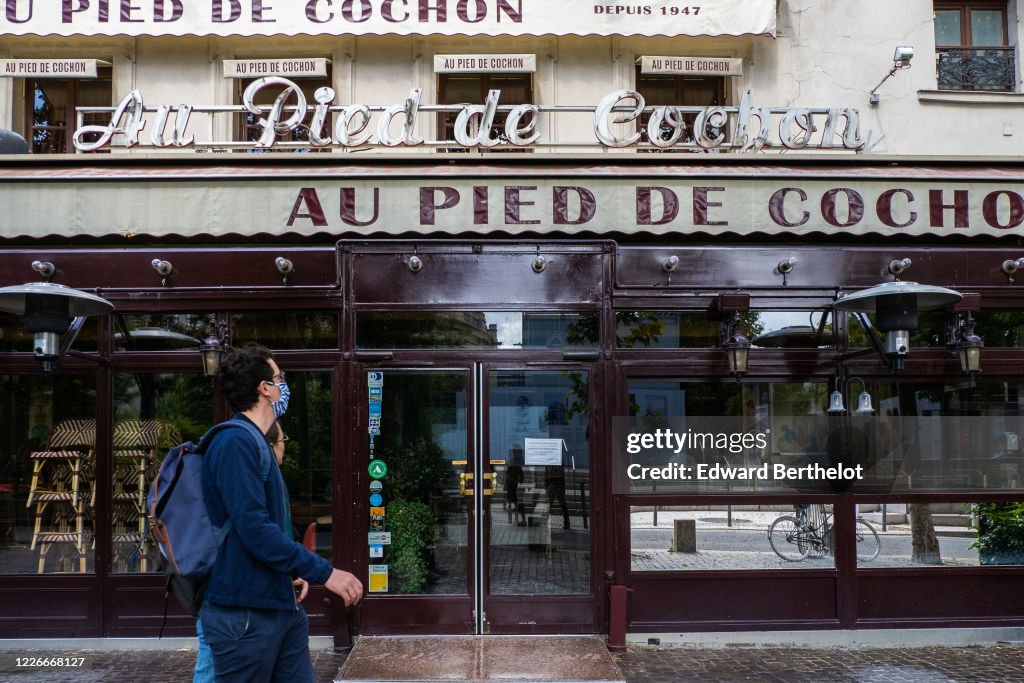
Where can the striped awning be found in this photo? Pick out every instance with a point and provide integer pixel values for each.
(390, 17)
(260, 195)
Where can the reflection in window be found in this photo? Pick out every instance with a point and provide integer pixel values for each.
(47, 473)
(931, 330)
(161, 331)
(947, 534)
(53, 101)
(475, 329)
(152, 413)
(541, 501)
(13, 336)
(308, 462)
(952, 436)
(678, 329)
(286, 330)
(725, 537)
(1000, 328)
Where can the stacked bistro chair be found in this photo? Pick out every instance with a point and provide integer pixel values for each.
(61, 491)
(138, 447)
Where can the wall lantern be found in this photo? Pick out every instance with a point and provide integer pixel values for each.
(896, 305)
(214, 346)
(968, 346)
(737, 348)
(49, 309)
(733, 342)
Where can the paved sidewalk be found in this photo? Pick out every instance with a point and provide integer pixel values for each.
(639, 665)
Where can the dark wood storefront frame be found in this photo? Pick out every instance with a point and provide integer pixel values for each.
(122, 605)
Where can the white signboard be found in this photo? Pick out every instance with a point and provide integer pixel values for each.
(692, 66)
(376, 17)
(379, 538)
(543, 452)
(669, 200)
(50, 68)
(295, 67)
(461, 64)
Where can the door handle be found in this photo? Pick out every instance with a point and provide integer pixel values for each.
(489, 476)
(464, 478)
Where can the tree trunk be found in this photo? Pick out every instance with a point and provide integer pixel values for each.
(922, 529)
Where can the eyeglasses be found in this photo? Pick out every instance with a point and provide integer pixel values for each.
(284, 439)
(280, 374)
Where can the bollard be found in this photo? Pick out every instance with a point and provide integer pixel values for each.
(685, 535)
(617, 618)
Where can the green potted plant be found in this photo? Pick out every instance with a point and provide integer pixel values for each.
(1000, 533)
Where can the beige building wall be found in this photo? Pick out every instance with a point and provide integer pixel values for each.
(826, 54)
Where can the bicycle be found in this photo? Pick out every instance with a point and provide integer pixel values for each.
(808, 533)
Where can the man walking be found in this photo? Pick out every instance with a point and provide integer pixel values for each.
(250, 617)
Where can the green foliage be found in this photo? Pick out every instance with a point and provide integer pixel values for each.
(415, 470)
(1000, 533)
(413, 535)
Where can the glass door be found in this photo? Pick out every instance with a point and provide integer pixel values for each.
(419, 514)
(478, 502)
(535, 564)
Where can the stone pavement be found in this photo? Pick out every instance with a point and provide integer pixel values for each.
(641, 664)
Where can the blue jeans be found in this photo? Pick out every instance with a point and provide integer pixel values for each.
(258, 644)
(204, 659)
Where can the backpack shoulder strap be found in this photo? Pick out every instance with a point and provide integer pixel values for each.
(261, 442)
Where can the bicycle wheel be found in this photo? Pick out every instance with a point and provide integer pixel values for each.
(787, 539)
(868, 545)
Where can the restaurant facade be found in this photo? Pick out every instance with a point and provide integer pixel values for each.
(500, 249)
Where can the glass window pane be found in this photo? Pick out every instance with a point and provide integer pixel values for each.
(308, 464)
(47, 472)
(947, 27)
(540, 505)
(789, 329)
(160, 331)
(986, 27)
(730, 537)
(423, 440)
(931, 330)
(474, 329)
(152, 413)
(1000, 328)
(944, 534)
(286, 330)
(13, 336)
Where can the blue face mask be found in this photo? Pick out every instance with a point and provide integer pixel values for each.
(281, 404)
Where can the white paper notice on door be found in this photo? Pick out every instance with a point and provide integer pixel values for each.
(543, 452)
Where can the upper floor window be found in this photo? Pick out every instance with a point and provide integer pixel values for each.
(972, 47)
(679, 91)
(50, 117)
(247, 128)
(472, 88)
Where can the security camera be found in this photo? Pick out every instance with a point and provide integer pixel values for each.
(902, 56)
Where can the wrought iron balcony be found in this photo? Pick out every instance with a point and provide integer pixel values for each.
(976, 68)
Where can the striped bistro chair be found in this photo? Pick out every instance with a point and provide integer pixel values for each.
(137, 448)
(60, 487)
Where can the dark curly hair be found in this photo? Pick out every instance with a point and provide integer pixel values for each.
(241, 373)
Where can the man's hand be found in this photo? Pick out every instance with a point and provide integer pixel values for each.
(301, 589)
(345, 585)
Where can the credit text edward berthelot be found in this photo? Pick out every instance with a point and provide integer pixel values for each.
(724, 443)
